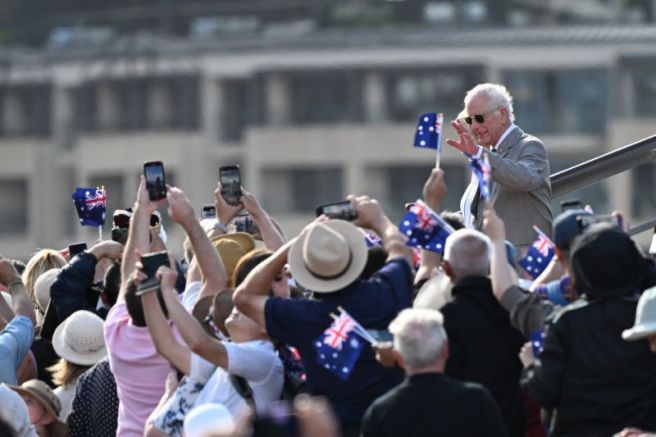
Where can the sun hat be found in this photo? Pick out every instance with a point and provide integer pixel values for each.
(232, 247)
(207, 420)
(216, 308)
(42, 288)
(645, 319)
(40, 392)
(79, 339)
(328, 256)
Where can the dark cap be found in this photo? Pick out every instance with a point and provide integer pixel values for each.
(566, 227)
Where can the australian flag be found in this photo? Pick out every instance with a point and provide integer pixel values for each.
(429, 130)
(539, 255)
(483, 171)
(90, 204)
(425, 228)
(339, 347)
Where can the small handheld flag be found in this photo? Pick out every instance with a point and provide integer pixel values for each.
(429, 130)
(339, 346)
(539, 255)
(90, 204)
(425, 228)
(483, 171)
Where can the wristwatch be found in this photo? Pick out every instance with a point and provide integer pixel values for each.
(220, 226)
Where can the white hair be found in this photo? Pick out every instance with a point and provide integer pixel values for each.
(495, 93)
(468, 253)
(419, 336)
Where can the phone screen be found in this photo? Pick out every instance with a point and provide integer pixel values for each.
(76, 248)
(339, 210)
(230, 178)
(151, 262)
(155, 180)
(208, 211)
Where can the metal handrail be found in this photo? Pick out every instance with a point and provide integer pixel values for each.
(605, 166)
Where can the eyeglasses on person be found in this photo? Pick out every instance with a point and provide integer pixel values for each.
(480, 118)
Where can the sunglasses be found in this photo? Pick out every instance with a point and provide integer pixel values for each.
(480, 118)
(121, 219)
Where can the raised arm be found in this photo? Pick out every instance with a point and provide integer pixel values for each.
(371, 216)
(209, 262)
(434, 192)
(273, 240)
(502, 278)
(138, 234)
(21, 302)
(177, 354)
(251, 295)
(193, 334)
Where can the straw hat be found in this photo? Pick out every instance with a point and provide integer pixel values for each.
(44, 396)
(328, 256)
(645, 319)
(232, 247)
(42, 288)
(218, 307)
(79, 339)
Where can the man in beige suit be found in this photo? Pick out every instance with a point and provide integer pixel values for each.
(520, 188)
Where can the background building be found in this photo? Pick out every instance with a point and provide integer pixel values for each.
(312, 106)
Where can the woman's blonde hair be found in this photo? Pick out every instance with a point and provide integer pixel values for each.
(41, 262)
(65, 373)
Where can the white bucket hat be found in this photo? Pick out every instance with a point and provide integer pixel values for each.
(42, 288)
(328, 256)
(645, 321)
(79, 339)
(207, 420)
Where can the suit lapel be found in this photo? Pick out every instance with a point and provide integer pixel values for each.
(513, 138)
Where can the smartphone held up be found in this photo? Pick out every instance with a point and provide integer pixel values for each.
(230, 178)
(151, 263)
(155, 180)
(339, 210)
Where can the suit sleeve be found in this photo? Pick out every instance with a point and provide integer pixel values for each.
(70, 291)
(524, 174)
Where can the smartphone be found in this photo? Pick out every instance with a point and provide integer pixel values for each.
(244, 223)
(381, 335)
(587, 220)
(76, 248)
(155, 180)
(208, 211)
(151, 262)
(339, 210)
(230, 178)
(570, 204)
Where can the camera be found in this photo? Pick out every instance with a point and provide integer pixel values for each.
(230, 178)
(339, 210)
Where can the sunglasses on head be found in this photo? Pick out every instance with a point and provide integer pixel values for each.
(480, 118)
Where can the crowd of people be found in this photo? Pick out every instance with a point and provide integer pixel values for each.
(231, 340)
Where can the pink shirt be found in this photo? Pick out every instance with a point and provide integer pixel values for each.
(140, 372)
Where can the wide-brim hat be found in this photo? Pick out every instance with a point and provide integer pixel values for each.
(40, 392)
(79, 339)
(645, 319)
(231, 247)
(217, 307)
(42, 288)
(328, 256)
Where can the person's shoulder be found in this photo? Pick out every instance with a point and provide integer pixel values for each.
(466, 391)
(572, 310)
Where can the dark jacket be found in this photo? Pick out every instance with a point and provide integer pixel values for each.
(72, 290)
(432, 404)
(597, 382)
(484, 347)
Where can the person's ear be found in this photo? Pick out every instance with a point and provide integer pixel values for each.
(398, 358)
(447, 269)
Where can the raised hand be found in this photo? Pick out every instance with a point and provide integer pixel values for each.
(465, 143)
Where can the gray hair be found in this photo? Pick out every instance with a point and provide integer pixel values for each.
(468, 253)
(495, 93)
(419, 336)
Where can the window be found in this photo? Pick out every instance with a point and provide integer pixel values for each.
(185, 95)
(644, 91)
(643, 184)
(326, 96)
(86, 107)
(27, 110)
(574, 102)
(301, 190)
(14, 205)
(413, 92)
(132, 103)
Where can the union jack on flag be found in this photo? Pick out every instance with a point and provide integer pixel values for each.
(90, 204)
(429, 130)
(339, 346)
(483, 171)
(425, 228)
(539, 255)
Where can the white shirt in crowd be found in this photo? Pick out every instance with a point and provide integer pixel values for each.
(256, 361)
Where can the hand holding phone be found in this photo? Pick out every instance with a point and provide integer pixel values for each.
(151, 262)
(230, 178)
(76, 248)
(155, 180)
(339, 210)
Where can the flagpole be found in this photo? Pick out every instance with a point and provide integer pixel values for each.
(438, 152)
(100, 232)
